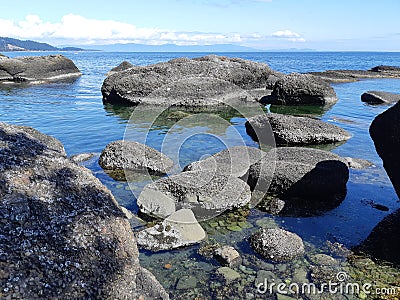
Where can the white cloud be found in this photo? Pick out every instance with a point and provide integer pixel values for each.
(76, 29)
(289, 35)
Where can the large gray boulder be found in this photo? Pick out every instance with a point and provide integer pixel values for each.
(206, 193)
(305, 178)
(292, 130)
(62, 234)
(187, 82)
(384, 131)
(277, 244)
(301, 89)
(178, 230)
(379, 97)
(37, 69)
(234, 161)
(128, 155)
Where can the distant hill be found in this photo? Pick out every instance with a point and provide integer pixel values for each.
(131, 47)
(10, 44)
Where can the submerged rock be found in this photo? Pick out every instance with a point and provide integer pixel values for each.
(62, 234)
(301, 89)
(126, 155)
(37, 69)
(228, 256)
(305, 178)
(384, 131)
(206, 193)
(234, 161)
(227, 275)
(81, 157)
(204, 81)
(294, 131)
(379, 97)
(179, 229)
(277, 244)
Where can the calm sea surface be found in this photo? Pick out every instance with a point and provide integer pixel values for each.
(74, 113)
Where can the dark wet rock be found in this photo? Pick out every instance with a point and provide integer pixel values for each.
(228, 256)
(234, 161)
(204, 81)
(37, 69)
(383, 242)
(301, 89)
(127, 155)
(384, 131)
(178, 230)
(379, 97)
(125, 65)
(62, 234)
(204, 192)
(277, 244)
(305, 178)
(82, 157)
(294, 131)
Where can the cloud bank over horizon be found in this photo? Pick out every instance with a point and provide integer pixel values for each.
(75, 29)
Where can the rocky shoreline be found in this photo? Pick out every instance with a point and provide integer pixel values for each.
(77, 240)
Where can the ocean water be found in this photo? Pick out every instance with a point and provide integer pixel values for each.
(74, 113)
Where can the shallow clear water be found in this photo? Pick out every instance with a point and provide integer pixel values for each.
(74, 113)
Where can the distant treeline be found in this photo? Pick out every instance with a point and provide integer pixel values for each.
(10, 44)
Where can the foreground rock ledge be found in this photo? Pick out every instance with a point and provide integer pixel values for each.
(62, 234)
(37, 69)
(203, 81)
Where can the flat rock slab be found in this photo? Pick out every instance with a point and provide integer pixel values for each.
(37, 69)
(379, 97)
(127, 155)
(294, 131)
(204, 81)
(234, 161)
(206, 193)
(301, 89)
(179, 229)
(339, 76)
(60, 227)
(304, 177)
(277, 244)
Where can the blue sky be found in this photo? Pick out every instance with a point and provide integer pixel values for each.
(355, 25)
